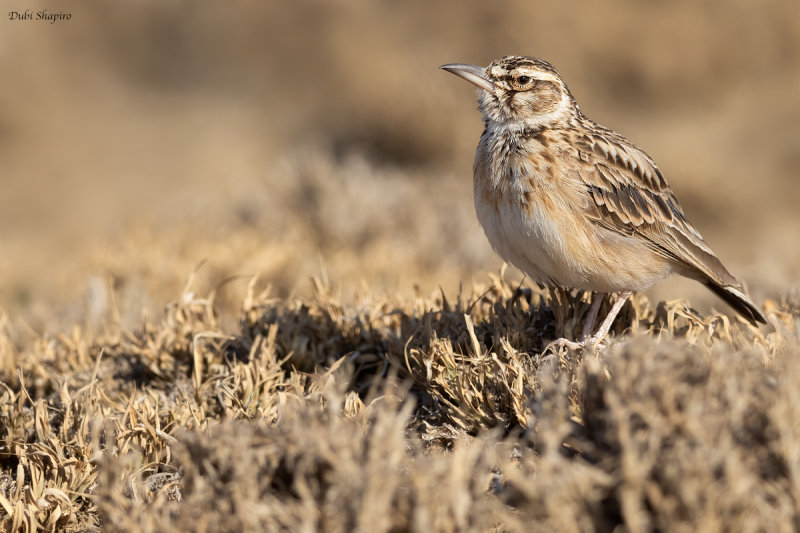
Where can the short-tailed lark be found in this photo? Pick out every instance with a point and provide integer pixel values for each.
(575, 205)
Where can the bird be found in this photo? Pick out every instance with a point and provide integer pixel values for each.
(575, 205)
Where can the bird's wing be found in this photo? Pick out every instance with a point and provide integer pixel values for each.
(630, 196)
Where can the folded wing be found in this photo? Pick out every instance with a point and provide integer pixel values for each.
(629, 195)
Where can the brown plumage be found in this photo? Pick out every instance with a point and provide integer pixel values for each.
(574, 204)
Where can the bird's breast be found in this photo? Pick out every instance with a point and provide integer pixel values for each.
(520, 208)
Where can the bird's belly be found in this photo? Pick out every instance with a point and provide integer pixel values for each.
(530, 242)
(553, 244)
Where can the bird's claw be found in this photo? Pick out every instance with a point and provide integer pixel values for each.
(591, 343)
(564, 343)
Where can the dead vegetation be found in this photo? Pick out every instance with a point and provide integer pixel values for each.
(432, 413)
(288, 139)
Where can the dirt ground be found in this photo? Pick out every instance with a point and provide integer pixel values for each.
(242, 285)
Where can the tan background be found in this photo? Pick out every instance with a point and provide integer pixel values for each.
(298, 138)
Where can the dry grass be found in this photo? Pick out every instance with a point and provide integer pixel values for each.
(426, 414)
(298, 141)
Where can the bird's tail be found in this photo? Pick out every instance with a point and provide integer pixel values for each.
(737, 299)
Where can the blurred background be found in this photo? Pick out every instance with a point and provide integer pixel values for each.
(291, 139)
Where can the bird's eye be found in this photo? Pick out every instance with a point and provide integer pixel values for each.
(522, 83)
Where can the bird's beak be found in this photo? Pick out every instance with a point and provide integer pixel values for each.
(472, 73)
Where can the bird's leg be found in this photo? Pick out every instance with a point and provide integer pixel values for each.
(591, 318)
(587, 329)
(602, 333)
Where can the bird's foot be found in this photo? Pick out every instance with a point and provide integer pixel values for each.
(563, 343)
(587, 343)
(557, 349)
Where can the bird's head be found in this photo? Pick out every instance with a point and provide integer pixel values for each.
(519, 93)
